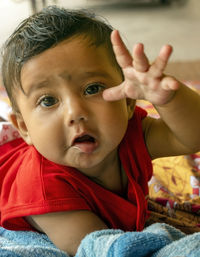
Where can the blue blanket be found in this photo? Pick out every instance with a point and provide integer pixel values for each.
(26, 244)
(157, 240)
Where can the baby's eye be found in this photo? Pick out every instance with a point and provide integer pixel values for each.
(94, 89)
(48, 101)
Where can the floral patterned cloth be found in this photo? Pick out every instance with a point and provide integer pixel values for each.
(174, 190)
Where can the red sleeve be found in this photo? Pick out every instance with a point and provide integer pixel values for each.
(32, 185)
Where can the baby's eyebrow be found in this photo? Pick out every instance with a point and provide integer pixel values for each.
(36, 86)
(86, 74)
(97, 73)
(47, 82)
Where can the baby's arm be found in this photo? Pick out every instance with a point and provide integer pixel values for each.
(178, 130)
(67, 229)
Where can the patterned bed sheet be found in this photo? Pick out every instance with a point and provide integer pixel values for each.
(174, 190)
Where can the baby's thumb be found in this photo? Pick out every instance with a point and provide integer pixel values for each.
(114, 93)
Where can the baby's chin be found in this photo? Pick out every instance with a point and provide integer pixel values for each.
(81, 161)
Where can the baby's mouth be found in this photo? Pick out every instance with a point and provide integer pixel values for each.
(85, 143)
(84, 138)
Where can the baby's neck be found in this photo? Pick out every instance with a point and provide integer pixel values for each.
(111, 176)
(117, 183)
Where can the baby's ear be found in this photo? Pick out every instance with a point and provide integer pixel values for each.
(18, 122)
(130, 107)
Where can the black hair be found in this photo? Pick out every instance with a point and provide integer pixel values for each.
(44, 30)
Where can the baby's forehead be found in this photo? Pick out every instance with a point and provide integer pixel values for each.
(88, 40)
(68, 58)
(77, 44)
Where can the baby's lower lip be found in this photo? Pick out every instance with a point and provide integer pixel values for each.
(86, 147)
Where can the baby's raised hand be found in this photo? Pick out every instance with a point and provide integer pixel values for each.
(141, 80)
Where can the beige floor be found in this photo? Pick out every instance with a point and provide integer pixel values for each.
(177, 24)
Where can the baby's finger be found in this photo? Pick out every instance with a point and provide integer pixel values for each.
(169, 83)
(114, 93)
(140, 61)
(157, 68)
(122, 54)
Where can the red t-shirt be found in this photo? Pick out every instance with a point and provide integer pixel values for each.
(31, 185)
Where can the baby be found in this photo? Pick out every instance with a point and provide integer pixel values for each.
(84, 160)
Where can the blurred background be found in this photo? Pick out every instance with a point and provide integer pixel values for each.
(152, 22)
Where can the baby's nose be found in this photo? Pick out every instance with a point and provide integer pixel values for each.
(76, 111)
(77, 120)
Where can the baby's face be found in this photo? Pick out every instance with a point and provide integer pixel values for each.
(63, 113)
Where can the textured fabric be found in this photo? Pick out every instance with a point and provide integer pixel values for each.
(27, 244)
(158, 240)
(30, 184)
(7, 132)
(115, 243)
